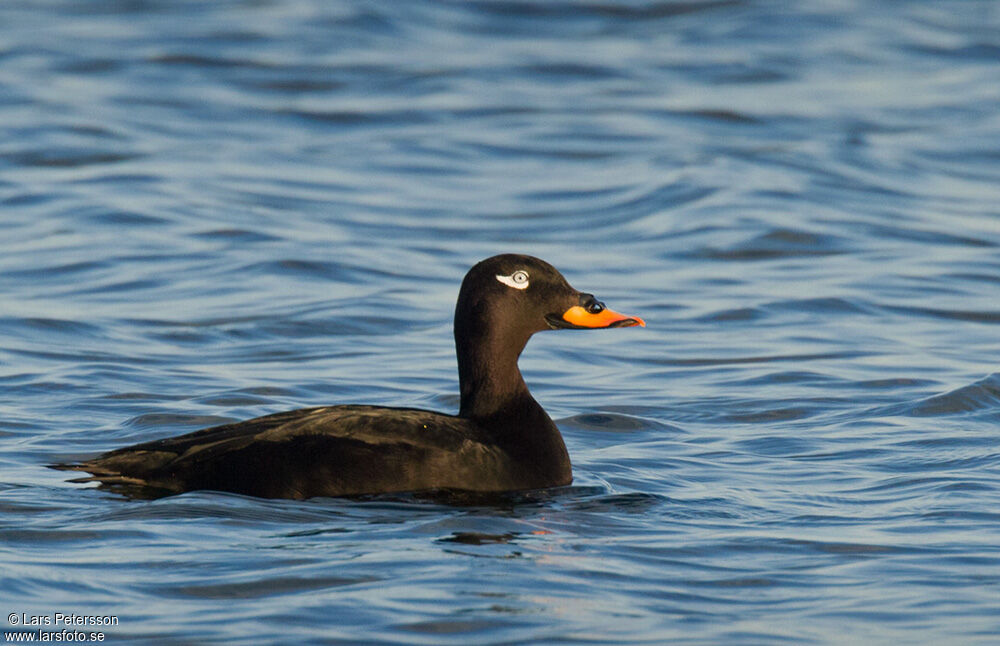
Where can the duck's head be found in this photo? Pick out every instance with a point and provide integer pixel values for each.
(503, 301)
(516, 295)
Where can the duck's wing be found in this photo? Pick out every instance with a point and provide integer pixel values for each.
(132, 463)
(337, 450)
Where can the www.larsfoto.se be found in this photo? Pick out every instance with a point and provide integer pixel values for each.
(47, 636)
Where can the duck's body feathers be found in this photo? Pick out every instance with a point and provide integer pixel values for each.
(327, 451)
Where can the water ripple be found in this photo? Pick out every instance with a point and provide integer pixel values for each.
(220, 210)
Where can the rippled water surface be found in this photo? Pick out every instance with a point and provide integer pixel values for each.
(216, 210)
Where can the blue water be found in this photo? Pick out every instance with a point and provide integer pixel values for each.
(212, 210)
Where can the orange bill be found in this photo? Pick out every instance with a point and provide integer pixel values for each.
(580, 317)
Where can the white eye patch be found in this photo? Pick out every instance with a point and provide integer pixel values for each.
(517, 280)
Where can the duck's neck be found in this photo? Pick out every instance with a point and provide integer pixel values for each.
(490, 381)
(496, 399)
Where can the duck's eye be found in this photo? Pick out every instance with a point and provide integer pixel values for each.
(517, 280)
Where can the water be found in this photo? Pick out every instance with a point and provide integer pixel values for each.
(216, 210)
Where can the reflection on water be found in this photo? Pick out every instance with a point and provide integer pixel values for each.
(212, 211)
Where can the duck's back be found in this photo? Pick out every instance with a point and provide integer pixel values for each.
(329, 451)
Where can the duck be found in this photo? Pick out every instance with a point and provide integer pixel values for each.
(500, 441)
